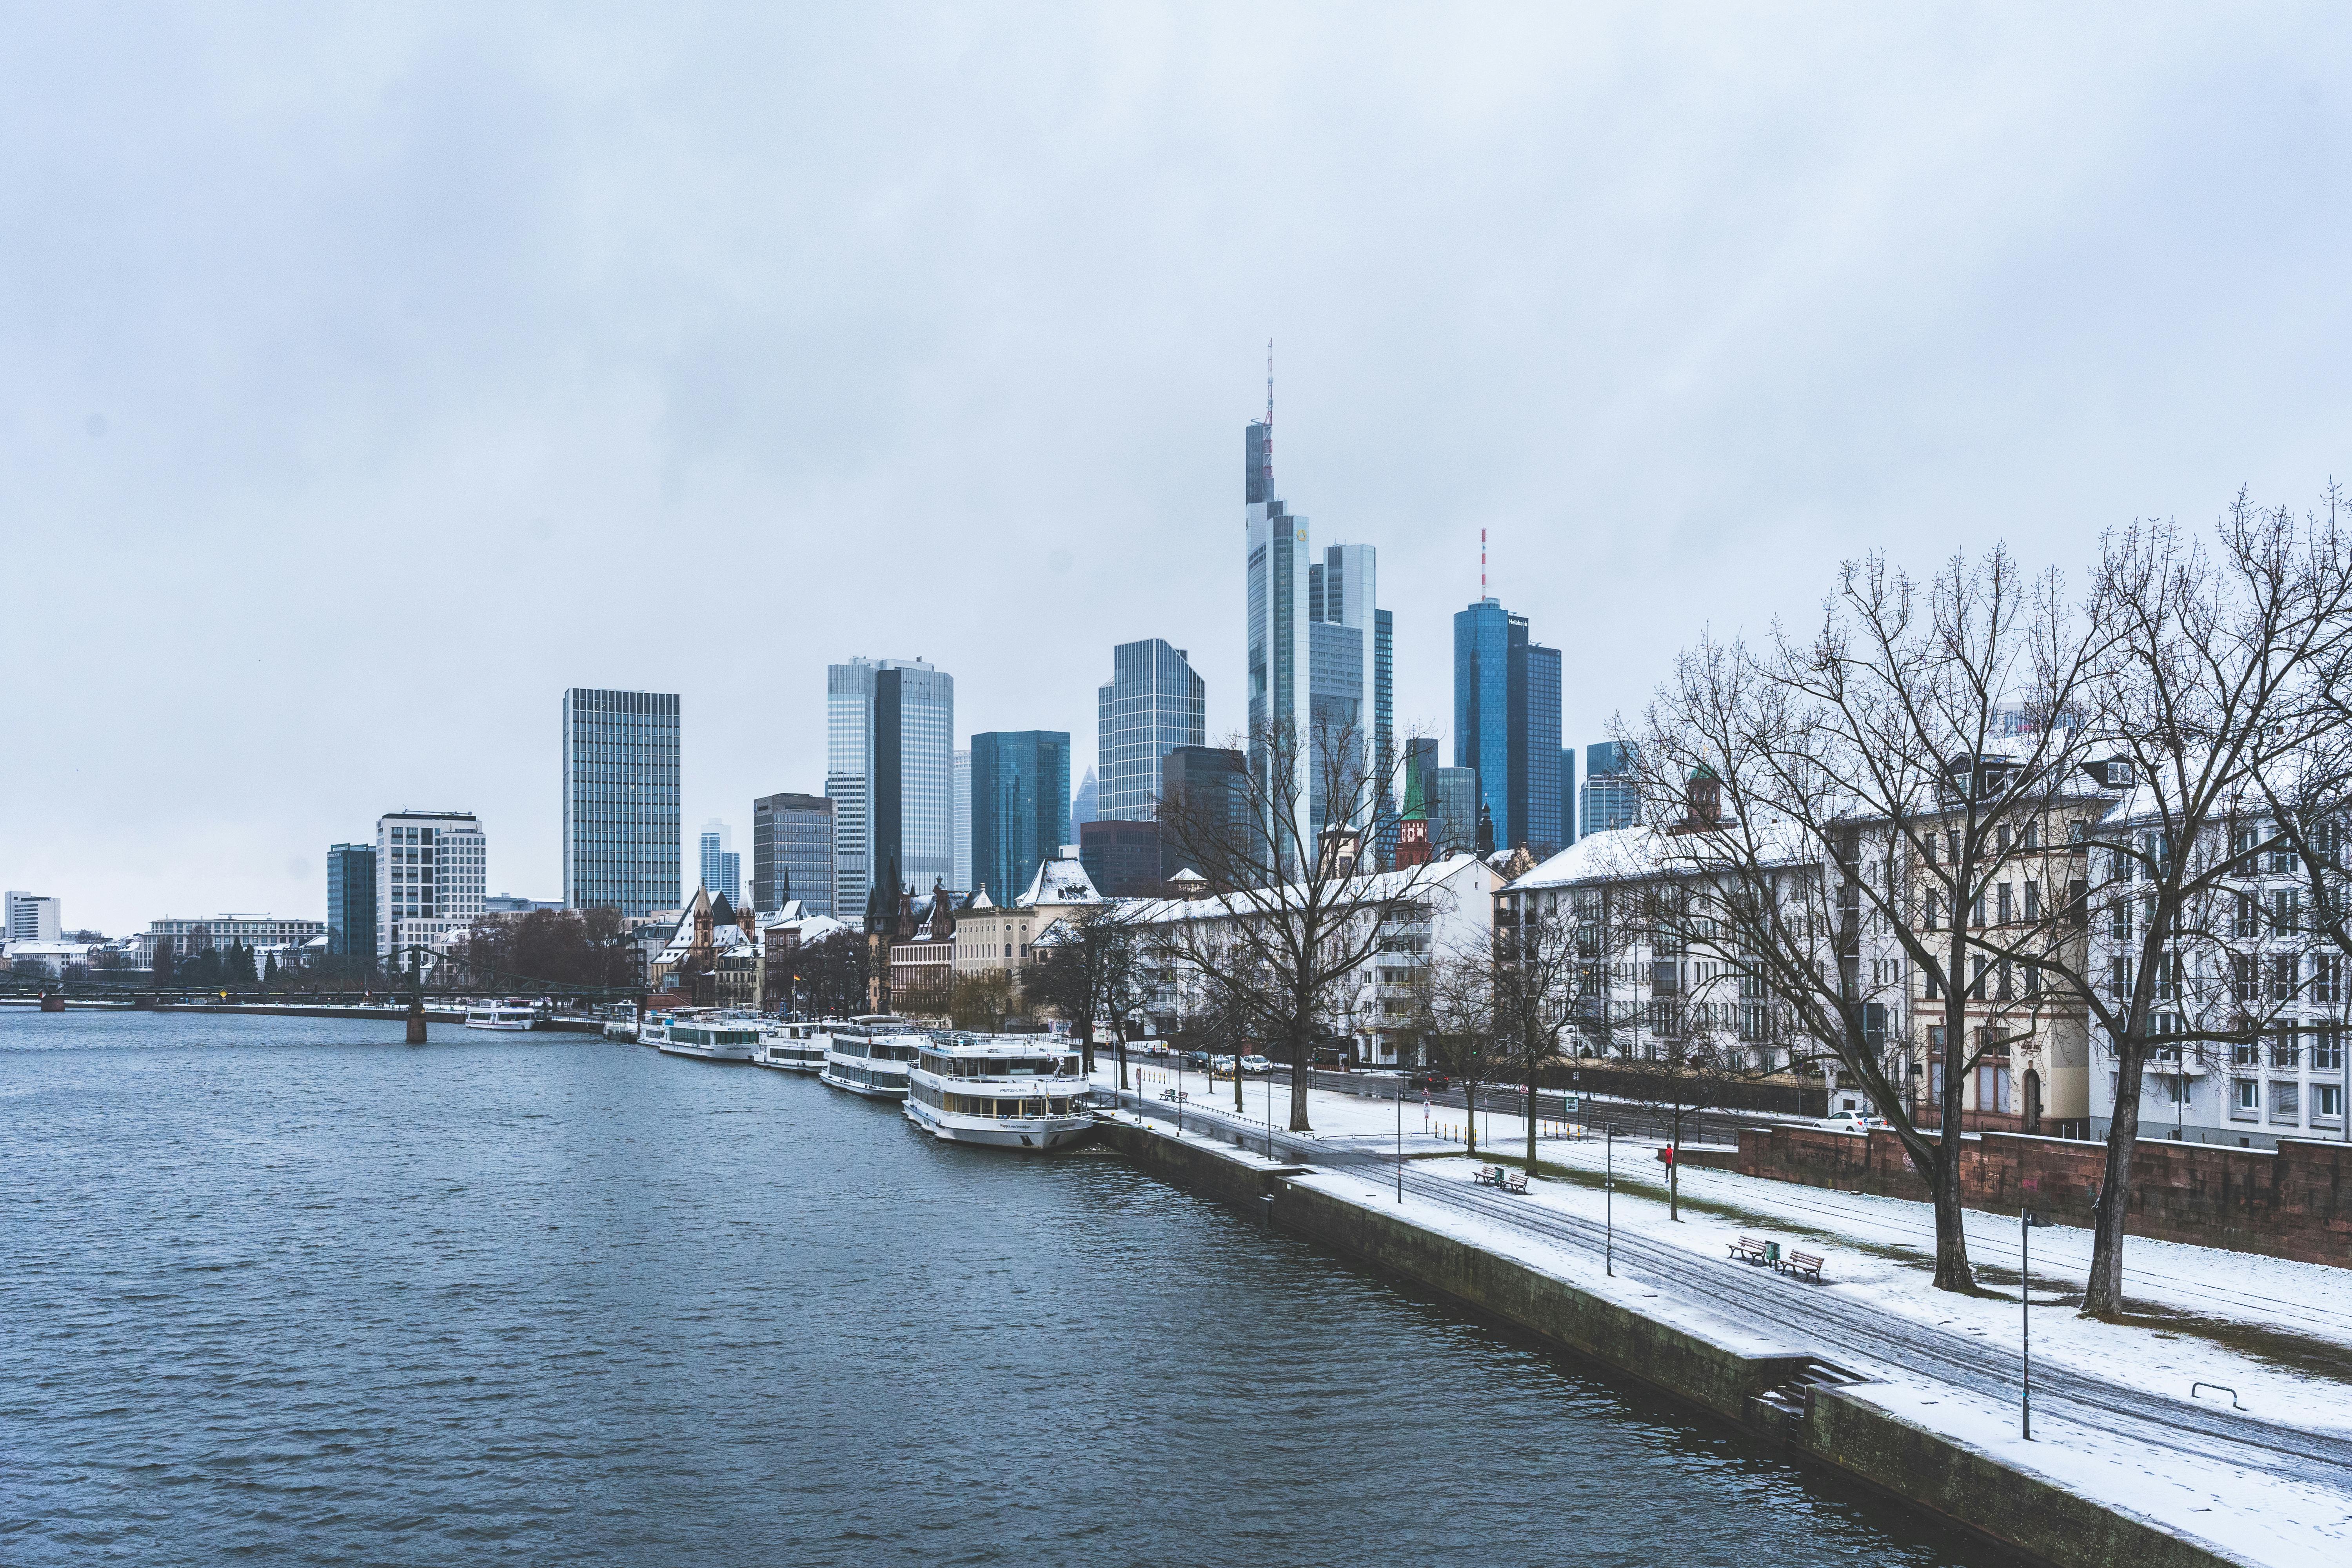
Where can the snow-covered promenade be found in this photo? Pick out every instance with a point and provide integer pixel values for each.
(2221, 1412)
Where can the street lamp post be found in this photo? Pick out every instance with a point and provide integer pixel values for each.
(2025, 1224)
(1608, 1194)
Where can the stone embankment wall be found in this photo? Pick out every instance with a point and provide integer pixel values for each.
(1831, 1426)
(2295, 1203)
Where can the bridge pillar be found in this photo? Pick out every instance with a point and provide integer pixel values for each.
(417, 1022)
(52, 1003)
(144, 1002)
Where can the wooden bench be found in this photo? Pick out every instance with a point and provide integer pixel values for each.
(1487, 1176)
(1804, 1264)
(1748, 1249)
(1516, 1182)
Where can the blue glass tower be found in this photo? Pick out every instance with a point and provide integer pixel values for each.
(621, 846)
(351, 900)
(1506, 702)
(1020, 807)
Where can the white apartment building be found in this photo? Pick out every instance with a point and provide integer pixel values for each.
(187, 935)
(1425, 913)
(2254, 965)
(431, 874)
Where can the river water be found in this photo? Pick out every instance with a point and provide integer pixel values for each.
(291, 1291)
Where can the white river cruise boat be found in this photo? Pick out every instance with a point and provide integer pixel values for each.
(870, 1054)
(795, 1048)
(1013, 1091)
(703, 1033)
(506, 1015)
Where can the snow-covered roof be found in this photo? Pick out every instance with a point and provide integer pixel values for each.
(1060, 881)
(1412, 882)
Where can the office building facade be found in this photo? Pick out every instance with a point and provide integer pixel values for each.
(721, 866)
(1212, 784)
(1507, 724)
(1153, 703)
(793, 854)
(1320, 654)
(351, 901)
(1611, 797)
(1020, 807)
(960, 805)
(31, 917)
(432, 869)
(1122, 859)
(890, 744)
(621, 844)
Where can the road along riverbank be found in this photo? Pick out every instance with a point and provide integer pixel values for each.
(2085, 1493)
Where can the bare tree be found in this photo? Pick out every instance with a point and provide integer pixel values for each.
(2213, 653)
(1455, 1013)
(1533, 968)
(1085, 968)
(1295, 909)
(1840, 807)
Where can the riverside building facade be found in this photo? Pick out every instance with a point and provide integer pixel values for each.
(351, 901)
(432, 871)
(621, 844)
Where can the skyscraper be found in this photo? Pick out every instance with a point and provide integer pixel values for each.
(431, 871)
(1212, 784)
(792, 852)
(1566, 797)
(351, 900)
(722, 869)
(1020, 807)
(1153, 703)
(32, 918)
(621, 846)
(1611, 797)
(1086, 805)
(960, 805)
(1319, 650)
(889, 767)
(1506, 723)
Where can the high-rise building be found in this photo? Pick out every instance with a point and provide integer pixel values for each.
(1567, 795)
(960, 803)
(1211, 782)
(351, 900)
(889, 749)
(1151, 704)
(621, 844)
(32, 918)
(792, 852)
(1020, 807)
(1612, 797)
(431, 872)
(1086, 805)
(1318, 649)
(1453, 809)
(1122, 857)
(722, 867)
(1506, 723)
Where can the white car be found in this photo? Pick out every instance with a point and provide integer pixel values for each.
(1854, 1121)
(1256, 1063)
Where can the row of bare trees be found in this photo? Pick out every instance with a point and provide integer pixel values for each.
(2013, 819)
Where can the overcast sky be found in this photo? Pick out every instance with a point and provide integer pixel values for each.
(370, 374)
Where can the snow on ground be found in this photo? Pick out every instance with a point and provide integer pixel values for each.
(1881, 1251)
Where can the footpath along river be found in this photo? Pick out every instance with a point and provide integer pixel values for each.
(288, 1290)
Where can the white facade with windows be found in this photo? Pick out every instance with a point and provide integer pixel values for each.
(32, 918)
(431, 877)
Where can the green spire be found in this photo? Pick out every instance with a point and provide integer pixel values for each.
(1413, 809)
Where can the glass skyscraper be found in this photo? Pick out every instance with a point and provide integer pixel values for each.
(621, 844)
(1611, 797)
(890, 769)
(1020, 807)
(1153, 703)
(351, 901)
(792, 852)
(722, 869)
(1506, 723)
(1318, 647)
(960, 805)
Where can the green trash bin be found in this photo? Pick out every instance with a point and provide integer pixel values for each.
(1772, 1253)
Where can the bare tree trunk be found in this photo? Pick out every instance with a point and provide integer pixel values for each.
(1530, 1108)
(1302, 1075)
(2103, 1290)
(1675, 1166)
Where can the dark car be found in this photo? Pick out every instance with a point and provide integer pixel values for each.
(1429, 1080)
(1198, 1058)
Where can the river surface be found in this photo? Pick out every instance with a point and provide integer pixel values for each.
(291, 1292)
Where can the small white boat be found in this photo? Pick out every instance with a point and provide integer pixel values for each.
(620, 1028)
(794, 1048)
(870, 1054)
(703, 1034)
(1009, 1091)
(509, 1013)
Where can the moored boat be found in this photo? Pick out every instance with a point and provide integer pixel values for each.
(509, 1013)
(794, 1048)
(1009, 1091)
(869, 1054)
(704, 1033)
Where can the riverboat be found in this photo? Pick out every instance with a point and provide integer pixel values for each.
(1009, 1091)
(794, 1048)
(869, 1054)
(702, 1033)
(509, 1013)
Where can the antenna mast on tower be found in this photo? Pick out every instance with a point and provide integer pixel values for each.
(1269, 417)
(1482, 563)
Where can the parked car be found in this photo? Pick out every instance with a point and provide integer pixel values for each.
(1198, 1058)
(1256, 1063)
(1855, 1122)
(1429, 1080)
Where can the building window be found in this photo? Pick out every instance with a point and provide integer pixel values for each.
(2286, 1100)
(2282, 977)
(2245, 1098)
(2284, 1051)
(2327, 1050)
(2328, 1102)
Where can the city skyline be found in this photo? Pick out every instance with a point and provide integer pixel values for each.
(521, 363)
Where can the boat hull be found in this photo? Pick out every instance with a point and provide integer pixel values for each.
(501, 1028)
(870, 1090)
(1036, 1134)
(707, 1052)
